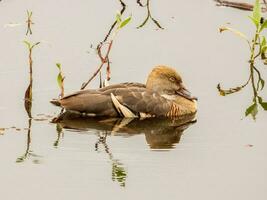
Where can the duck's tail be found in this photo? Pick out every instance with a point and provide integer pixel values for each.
(55, 102)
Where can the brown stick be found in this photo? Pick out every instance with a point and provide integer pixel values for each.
(242, 6)
(140, 3)
(104, 60)
(238, 5)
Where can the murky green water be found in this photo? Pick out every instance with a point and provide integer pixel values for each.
(222, 156)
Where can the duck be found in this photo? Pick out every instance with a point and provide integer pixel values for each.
(163, 95)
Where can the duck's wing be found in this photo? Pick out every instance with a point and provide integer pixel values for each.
(90, 103)
(143, 102)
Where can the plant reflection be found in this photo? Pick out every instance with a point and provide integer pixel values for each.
(118, 173)
(28, 152)
(59, 135)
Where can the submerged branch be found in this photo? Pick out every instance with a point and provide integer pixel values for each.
(237, 5)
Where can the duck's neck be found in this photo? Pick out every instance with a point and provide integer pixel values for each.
(186, 106)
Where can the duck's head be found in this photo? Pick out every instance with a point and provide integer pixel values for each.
(166, 81)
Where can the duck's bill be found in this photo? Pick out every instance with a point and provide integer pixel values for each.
(186, 94)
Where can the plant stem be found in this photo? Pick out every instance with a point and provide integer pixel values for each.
(252, 61)
(30, 63)
(103, 61)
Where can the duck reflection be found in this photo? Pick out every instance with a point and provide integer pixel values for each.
(160, 133)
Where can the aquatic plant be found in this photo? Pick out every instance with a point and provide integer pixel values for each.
(30, 47)
(123, 7)
(258, 53)
(120, 23)
(148, 16)
(28, 93)
(60, 80)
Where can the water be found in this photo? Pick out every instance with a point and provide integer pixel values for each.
(222, 156)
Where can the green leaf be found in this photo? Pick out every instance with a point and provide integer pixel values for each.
(252, 110)
(262, 83)
(263, 49)
(27, 43)
(29, 14)
(263, 42)
(59, 76)
(118, 18)
(263, 104)
(126, 21)
(256, 14)
(254, 21)
(264, 25)
(59, 80)
(58, 66)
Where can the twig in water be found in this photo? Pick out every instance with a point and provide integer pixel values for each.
(237, 5)
(103, 61)
(149, 16)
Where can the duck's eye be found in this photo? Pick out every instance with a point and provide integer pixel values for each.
(172, 79)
